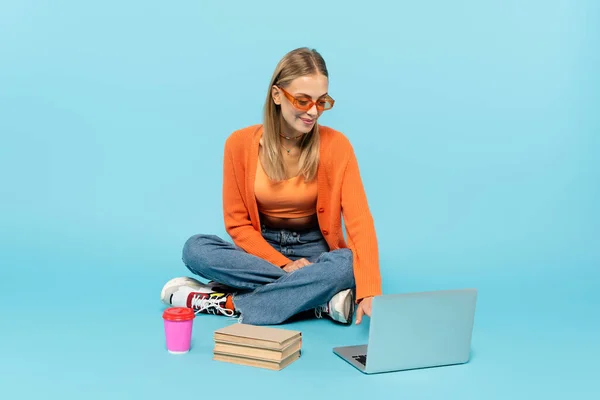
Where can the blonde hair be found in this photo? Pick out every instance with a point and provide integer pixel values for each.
(297, 63)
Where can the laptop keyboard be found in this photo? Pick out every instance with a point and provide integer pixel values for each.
(361, 358)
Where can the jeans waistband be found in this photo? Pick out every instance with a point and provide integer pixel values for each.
(287, 237)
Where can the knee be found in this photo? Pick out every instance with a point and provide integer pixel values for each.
(196, 249)
(342, 264)
(346, 265)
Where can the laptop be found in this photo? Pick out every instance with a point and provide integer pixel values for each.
(416, 330)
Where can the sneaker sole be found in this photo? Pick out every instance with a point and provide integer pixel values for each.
(348, 304)
(351, 305)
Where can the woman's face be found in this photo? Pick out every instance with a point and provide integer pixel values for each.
(305, 90)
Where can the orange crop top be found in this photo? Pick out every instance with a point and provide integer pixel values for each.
(292, 198)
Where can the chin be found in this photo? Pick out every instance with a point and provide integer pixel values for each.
(304, 129)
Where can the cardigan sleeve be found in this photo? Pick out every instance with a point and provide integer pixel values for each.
(236, 216)
(360, 230)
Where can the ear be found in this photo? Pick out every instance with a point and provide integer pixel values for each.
(276, 95)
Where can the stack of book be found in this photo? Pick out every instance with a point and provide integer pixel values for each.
(257, 346)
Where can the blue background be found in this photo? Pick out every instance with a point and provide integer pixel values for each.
(476, 127)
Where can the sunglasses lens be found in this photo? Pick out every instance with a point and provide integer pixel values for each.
(305, 105)
(325, 104)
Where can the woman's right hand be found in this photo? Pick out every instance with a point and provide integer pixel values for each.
(294, 265)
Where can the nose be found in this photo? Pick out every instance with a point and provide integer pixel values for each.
(313, 112)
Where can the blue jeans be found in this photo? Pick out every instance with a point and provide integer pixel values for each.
(265, 294)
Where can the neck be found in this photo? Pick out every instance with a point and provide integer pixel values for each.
(288, 133)
(291, 138)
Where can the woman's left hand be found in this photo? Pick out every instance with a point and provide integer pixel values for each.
(364, 307)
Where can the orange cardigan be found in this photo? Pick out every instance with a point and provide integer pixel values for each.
(340, 193)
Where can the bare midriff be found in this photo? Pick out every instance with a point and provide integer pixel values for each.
(292, 224)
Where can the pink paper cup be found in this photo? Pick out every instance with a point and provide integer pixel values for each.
(178, 329)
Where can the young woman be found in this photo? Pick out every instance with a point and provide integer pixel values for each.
(287, 184)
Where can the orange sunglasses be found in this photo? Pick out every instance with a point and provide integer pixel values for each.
(305, 104)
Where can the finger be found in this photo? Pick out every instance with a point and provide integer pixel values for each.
(289, 267)
(359, 314)
(293, 266)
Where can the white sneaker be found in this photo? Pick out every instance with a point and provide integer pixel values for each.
(183, 284)
(340, 308)
(202, 298)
